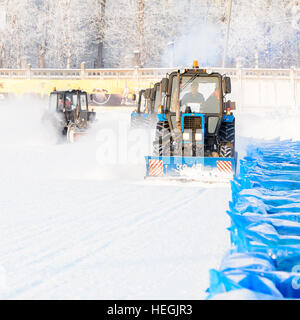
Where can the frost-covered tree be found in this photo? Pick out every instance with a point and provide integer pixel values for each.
(15, 32)
(69, 33)
(148, 33)
(295, 14)
(2, 34)
(139, 27)
(50, 33)
(98, 25)
(261, 31)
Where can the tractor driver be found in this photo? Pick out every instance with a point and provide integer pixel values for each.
(193, 97)
(212, 104)
(60, 105)
(68, 110)
(68, 105)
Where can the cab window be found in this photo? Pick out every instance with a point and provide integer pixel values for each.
(198, 94)
(83, 102)
(143, 104)
(53, 101)
(75, 99)
(158, 99)
(174, 95)
(60, 102)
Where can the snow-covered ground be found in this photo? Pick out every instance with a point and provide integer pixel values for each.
(80, 222)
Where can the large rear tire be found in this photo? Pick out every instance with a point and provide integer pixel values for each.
(134, 123)
(227, 132)
(227, 139)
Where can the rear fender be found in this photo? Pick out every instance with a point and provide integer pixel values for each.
(162, 117)
(228, 118)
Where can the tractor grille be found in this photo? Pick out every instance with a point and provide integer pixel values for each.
(192, 123)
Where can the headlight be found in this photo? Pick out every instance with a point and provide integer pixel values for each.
(186, 136)
(198, 136)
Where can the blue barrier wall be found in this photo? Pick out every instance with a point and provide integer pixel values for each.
(264, 262)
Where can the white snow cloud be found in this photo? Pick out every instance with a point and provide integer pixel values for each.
(201, 43)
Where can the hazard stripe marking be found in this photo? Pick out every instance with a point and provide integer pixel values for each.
(224, 166)
(156, 168)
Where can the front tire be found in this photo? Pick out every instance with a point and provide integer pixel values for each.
(227, 139)
(71, 134)
(226, 151)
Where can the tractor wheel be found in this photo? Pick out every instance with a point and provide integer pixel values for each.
(71, 134)
(148, 123)
(64, 131)
(162, 143)
(143, 122)
(227, 132)
(226, 150)
(134, 123)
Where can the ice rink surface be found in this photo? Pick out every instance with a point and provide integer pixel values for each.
(80, 222)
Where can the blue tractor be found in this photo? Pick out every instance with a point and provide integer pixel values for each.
(196, 126)
(145, 116)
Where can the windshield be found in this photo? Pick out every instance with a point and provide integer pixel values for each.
(197, 95)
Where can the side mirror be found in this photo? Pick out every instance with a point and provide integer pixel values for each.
(227, 85)
(164, 85)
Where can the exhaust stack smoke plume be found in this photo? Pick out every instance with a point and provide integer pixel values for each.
(202, 43)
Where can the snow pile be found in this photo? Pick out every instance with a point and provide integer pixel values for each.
(22, 123)
(198, 173)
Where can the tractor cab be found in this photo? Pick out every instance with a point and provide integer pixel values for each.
(144, 102)
(195, 123)
(70, 112)
(159, 98)
(147, 106)
(196, 109)
(71, 102)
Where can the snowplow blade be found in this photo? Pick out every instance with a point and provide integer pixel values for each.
(191, 168)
